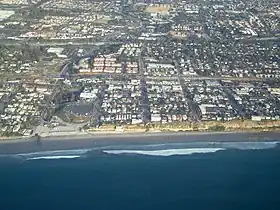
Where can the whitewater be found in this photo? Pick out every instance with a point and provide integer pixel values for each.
(164, 149)
(167, 152)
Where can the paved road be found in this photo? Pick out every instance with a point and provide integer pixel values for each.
(195, 113)
(46, 43)
(144, 91)
(139, 76)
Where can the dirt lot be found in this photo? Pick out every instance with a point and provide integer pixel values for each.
(158, 9)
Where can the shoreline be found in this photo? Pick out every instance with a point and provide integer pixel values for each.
(52, 143)
(113, 135)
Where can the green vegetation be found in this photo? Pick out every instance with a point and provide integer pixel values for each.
(217, 128)
(210, 126)
(9, 134)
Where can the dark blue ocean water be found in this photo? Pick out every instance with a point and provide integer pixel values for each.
(230, 179)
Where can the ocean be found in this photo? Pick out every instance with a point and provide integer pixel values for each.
(167, 176)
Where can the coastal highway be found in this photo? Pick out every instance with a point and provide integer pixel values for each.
(29, 80)
(139, 76)
(53, 43)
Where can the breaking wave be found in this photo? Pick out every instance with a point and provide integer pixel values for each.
(188, 148)
(249, 145)
(167, 152)
(54, 157)
(161, 149)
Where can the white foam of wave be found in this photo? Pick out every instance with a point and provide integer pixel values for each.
(54, 157)
(163, 149)
(166, 152)
(249, 145)
(188, 145)
(54, 153)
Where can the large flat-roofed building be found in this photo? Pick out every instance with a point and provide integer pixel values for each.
(4, 14)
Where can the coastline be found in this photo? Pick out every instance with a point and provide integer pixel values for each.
(97, 136)
(51, 143)
(154, 135)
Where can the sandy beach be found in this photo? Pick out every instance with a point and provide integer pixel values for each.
(104, 139)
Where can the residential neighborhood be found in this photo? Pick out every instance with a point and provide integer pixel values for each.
(91, 64)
